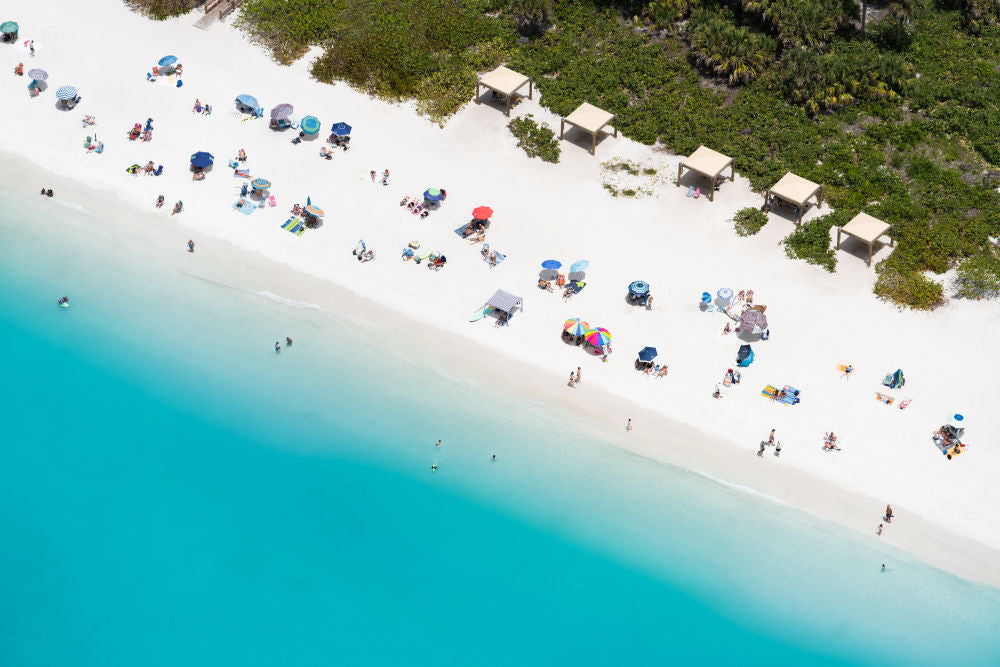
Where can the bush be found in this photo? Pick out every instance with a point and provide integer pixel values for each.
(748, 221)
(811, 242)
(979, 276)
(161, 9)
(907, 287)
(536, 140)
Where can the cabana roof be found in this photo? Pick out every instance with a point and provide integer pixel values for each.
(503, 80)
(866, 228)
(589, 118)
(795, 189)
(504, 301)
(707, 162)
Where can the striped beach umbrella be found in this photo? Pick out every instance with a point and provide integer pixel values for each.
(310, 124)
(260, 184)
(598, 337)
(166, 61)
(576, 326)
(281, 111)
(66, 93)
(639, 287)
(38, 74)
(312, 209)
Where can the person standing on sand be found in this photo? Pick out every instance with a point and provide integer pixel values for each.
(628, 426)
(31, 48)
(372, 174)
(770, 438)
(878, 531)
(578, 375)
(777, 449)
(190, 245)
(571, 383)
(848, 369)
(760, 452)
(888, 513)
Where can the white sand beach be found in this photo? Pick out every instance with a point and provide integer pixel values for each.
(945, 509)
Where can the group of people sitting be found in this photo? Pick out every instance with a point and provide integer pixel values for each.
(655, 370)
(339, 141)
(830, 442)
(205, 109)
(547, 285)
(138, 131)
(413, 207)
(774, 202)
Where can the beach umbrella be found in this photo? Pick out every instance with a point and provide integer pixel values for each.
(576, 326)
(725, 294)
(341, 129)
(751, 320)
(548, 274)
(551, 264)
(281, 111)
(260, 184)
(66, 93)
(202, 159)
(433, 194)
(598, 337)
(957, 421)
(706, 297)
(38, 74)
(638, 288)
(309, 124)
(247, 101)
(647, 354)
(8, 27)
(580, 266)
(484, 213)
(312, 209)
(167, 61)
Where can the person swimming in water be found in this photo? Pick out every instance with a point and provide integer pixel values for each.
(64, 301)
(277, 347)
(434, 467)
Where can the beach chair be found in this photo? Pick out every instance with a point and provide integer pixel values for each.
(744, 356)
(885, 398)
(422, 257)
(271, 201)
(159, 170)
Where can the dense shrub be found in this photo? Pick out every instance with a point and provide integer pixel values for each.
(906, 286)
(979, 276)
(161, 9)
(536, 140)
(749, 221)
(811, 242)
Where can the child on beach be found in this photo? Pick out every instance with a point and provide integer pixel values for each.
(159, 201)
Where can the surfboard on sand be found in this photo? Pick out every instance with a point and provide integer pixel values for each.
(480, 314)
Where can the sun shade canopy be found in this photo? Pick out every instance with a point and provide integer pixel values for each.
(588, 118)
(866, 229)
(504, 301)
(503, 81)
(796, 190)
(709, 164)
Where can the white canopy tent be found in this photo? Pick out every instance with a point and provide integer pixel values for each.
(709, 164)
(590, 119)
(504, 81)
(866, 229)
(796, 191)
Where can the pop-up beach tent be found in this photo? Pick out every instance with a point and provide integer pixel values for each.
(504, 82)
(866, 229)
(797, 191)
(505, 301)
(708, 164)
(590, 119)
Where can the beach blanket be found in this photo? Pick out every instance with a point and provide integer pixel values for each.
(885, 398)
(791, 396)
(499, 258)
(248, 207)
(243, 173)
(294, 225)
(770, 392)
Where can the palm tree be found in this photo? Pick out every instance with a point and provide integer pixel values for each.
(904, 11)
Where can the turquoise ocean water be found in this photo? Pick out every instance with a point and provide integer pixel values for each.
(174, 493)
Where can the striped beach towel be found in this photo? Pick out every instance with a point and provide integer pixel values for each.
(294, 225)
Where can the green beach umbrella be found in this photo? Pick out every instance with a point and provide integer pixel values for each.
(8, 27)
(310, 124)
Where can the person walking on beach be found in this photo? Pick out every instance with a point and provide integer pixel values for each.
(628, 426)
(277, 347)
(760, 452)
(848, 369)
(888, 513)
(190, 245)
(372, 173)
(878, 531)
(578, 375)
(777, 449)
(770, 438)
(31, 48)
(385, 177)
(571, 383)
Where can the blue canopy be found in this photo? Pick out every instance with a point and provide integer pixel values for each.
(66, 93)
(551, 264)
(433, 194)
(247, 101)
(166, 61)
(579, 266)
(706, 297)
(647, 354)
(341, 129)
(639, 288)
(202, 159)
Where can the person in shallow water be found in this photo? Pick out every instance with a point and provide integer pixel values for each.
(277, 347)
(64, 300)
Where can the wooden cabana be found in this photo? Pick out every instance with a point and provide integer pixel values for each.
(866, 229)
(504, 81)
(590, 119)
(795, 190)
(709, 164)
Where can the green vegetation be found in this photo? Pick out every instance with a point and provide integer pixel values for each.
(749, 221)
(979, 276)
(161, 9)
(897, 117)
(536, 140)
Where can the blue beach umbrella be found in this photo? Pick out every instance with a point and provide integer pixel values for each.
(310, 124)
(247, 101)
(38, 74)
(706, 297)
(579, 266)
(433, 194)
(66, 93)
(166, 61)
(647, 354)
(639, 288)
(202, 159)
(341, 129)
(551, 264)
(725, 294)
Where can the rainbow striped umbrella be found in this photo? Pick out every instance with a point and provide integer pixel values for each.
(598, 337)
(576, 326)
(260, 184)
(312, 209)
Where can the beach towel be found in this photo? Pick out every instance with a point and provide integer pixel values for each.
(248, 207)
(885, 398)
(770, 392)
(791, 396)
(294, 225)
(904, 403)
(499, 258)
(244, 173)
(422, 257)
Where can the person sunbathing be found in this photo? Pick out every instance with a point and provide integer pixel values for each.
(198, 176)
(478, 238)
(345, 143)
(727, 329)
(368, 256)
(177, 207)
(296, 209)
(545, 285)
(411, 205)
(242, 156)
(159, 201)
(485, 250)
(35, 90)
(197, 106)
(89, 120)
(424, 214)
(567, 293)
(493, 259)
(404, 200)
(662, 371)
(149, 167)
(19, 69)
(649, 369)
